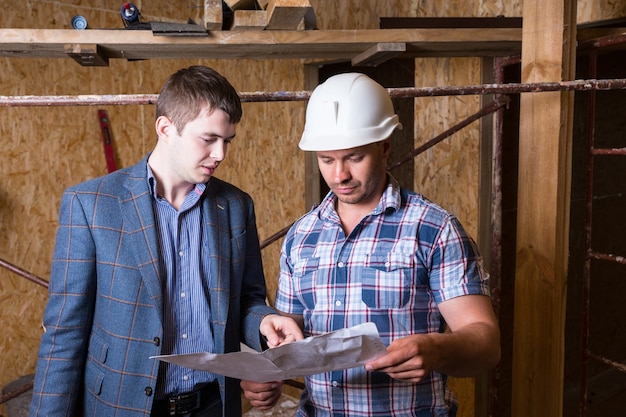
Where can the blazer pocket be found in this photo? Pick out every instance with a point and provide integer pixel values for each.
(98, 349)
(238, 244)
(94, 379)
(94, 370)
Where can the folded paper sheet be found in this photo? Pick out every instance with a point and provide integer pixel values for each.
(341, 349)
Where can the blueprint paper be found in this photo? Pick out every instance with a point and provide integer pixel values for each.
(341, 349)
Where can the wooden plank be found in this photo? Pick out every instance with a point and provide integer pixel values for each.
(249, 20)
(286, 14)
(277, 44)
(377, 54)
(213, 16)
(548, 54)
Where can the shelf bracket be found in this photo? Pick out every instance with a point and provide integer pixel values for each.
(87, 55)
(379, 53)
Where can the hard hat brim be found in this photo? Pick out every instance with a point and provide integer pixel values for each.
(348, 139)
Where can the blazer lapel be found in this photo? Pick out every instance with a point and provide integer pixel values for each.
(217, 249)
(140, 226)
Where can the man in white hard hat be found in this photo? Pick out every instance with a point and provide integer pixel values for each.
(373, 252)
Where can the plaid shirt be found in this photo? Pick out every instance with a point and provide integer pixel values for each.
(403, 259)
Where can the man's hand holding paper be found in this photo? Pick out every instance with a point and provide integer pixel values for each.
(341, 349)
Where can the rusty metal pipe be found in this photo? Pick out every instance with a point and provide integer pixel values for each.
(249, 97)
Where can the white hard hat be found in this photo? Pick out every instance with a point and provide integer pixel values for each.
(346, 111)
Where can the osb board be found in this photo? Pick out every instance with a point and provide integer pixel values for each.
(594, 10)
(359, 14)
(448, 172)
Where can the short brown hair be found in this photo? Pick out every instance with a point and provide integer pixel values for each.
(189, 90)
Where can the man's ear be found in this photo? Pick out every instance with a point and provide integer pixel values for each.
(164, 127)
(387, 147)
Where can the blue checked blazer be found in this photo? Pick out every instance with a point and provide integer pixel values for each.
(103, 319)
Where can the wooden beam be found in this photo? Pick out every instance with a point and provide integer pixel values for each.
(277, 44)
(249, 20)
(548, 54)
(286, 14)
(379, 53)
(213, 16)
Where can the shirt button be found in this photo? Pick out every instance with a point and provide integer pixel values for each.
(180, 253)
(148, 391)
(184, 335)
(340, 264)
(185, 377)
(387, 264)
(337, 303)
(157, 341)
(335, 384)
(183, 295)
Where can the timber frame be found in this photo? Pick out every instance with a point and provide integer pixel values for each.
(364, 47)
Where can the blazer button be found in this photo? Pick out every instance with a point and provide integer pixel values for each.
(148, 391)
(157, 341)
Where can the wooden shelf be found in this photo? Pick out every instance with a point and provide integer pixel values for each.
(94, 47)
(329, 45)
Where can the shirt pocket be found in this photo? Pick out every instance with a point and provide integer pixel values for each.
(305, 274)
(387, 280)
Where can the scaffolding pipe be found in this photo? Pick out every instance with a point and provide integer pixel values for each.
(16, 392)
(494, 376)
(613, 151)
(496, 104)
(586, 278)
(23, 273)
(618, 366)
(607, 257)
(249, 97)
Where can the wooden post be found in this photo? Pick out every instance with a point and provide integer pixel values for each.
(548, 54)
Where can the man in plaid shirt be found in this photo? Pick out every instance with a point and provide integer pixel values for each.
(373, 252)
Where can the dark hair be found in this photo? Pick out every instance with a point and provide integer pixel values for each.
(189, 90)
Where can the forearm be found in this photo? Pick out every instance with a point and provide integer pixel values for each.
(468, 351)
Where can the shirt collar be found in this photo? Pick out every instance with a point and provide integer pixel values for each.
(152, 183)
(391, 199)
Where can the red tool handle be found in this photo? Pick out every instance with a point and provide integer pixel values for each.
(107, 140)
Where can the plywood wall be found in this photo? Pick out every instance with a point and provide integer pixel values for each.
(46, 149)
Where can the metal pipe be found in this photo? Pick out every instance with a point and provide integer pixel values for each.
(618, 366)
(607, 257)
(586, 277)
(23, 273)
(490, 108)
(249, 97)
(16, 392)
(613, 151)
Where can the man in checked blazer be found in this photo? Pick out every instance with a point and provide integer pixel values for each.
(158, 258)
